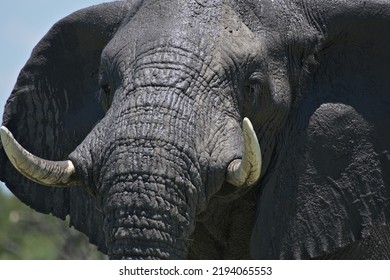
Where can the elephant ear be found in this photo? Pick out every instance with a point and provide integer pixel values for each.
(54, 105)
(332, 186)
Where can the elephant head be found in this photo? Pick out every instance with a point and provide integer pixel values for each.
(143, 121)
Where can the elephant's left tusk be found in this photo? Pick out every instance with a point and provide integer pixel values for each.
(45, 172)
(246, 171)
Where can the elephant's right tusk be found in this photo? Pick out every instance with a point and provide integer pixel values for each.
(45, 172)
(246, 171)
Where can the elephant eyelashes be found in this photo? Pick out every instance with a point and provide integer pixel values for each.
(104, 84)
(250, 94)
(106, 88)
(253, 88)
(105, 94)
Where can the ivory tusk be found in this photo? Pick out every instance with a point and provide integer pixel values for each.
(45, 172)
(246, 171)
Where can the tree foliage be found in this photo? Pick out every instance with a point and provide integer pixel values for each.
(27, 234)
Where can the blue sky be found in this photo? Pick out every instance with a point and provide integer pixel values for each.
(22, 24)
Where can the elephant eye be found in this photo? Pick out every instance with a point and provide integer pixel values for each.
(105, 93)
(253, 88)
(106, 88)
(104, 84)
(250, 94)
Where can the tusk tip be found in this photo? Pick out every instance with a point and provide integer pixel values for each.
(6, 136)
(246, 171)
(247, 126)
(45, 172)
(247, 123)
(3, 129)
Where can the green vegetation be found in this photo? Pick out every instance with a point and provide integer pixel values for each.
(27, 234)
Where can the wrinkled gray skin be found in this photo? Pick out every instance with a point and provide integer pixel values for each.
(177, 78)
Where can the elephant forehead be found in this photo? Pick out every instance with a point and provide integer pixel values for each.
(237, 46)
(182, 24)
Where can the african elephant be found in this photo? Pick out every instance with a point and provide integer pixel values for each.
(220, 129)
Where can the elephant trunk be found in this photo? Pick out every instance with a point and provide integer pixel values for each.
(147, 176)
(150, 196)
(148, 218)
